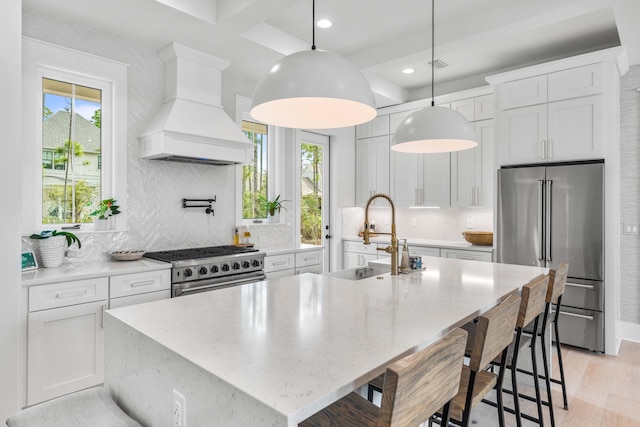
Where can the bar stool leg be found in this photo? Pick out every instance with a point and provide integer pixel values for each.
(559, 350)
(545, 365)
(514, 380)
(536, 382)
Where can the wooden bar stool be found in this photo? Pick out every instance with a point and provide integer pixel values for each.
(415, 387)
(493, 333)
(531, 309)
(88, 408)
(555, 290)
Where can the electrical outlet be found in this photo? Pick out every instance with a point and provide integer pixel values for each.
(262, 239)
(179, 409)
(413, 222)
(469, 222)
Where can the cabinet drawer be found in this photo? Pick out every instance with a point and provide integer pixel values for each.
(68, 293)
(280, 273)
(139, 283)
(584, 294)
(139, 299)
(463, 254)
(278, 262)
(360, 247)
(308, 258)
(424, 251)
(316, 269)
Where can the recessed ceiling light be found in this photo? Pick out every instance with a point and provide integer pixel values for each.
(324, 23)
(408, 70)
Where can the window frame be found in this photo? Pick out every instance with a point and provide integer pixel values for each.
(46, 60)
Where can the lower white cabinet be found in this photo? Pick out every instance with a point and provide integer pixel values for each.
(424, 251)
(466, 254)
(65, 345)
(289, 264)
(65, 328)
(355, 259)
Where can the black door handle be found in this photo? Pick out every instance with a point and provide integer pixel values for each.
(328, 236)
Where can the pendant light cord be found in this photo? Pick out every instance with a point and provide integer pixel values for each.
(433, 48)
(313, 25)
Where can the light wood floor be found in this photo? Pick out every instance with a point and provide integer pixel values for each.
(603, 391)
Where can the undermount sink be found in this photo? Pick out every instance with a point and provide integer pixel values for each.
(360, 273)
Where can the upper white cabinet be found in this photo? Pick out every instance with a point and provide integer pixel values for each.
(472, 171)
(372, 167)
(551, 117)
(420, 179)
(376, 127)
(466, 107)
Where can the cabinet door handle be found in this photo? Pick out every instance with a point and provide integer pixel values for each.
(542, 149)
(103, 309)
(550, 149)
(72, 294)
(464, 257)
(279, 263)
(145, 283)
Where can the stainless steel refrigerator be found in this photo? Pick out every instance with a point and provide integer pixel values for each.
(552, 214)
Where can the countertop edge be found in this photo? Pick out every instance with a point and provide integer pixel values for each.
(447, 244)
(89, 270)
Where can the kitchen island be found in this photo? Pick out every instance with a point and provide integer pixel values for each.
(272, 353)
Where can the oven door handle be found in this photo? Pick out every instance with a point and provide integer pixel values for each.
(180, 290)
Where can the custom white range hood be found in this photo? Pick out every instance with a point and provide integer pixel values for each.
(191, 126)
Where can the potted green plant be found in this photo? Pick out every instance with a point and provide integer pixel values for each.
(52, 245)
(106, 209)
(273, 207)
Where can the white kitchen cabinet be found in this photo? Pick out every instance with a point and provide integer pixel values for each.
(420, 179)
(424, 250)
(137, 288)
(397, 118)
(357, 254)
(65, 344)
(466, 254)
(562, 130)
(372, 168)
(552, 117)
(466, 107)
(484, 107)
(376, 127)
(280, 265)
(472, 171)
(309, 262)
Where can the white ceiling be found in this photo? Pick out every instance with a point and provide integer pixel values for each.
(475, 37)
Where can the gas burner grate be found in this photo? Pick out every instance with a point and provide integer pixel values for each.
(196, 253)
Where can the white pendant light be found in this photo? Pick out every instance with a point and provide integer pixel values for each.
(433, 129)
(313, 89)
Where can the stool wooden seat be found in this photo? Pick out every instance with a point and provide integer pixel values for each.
(88, 408)
(414, 388)
(493, 334)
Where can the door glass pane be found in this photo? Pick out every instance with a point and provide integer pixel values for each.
(311, 168)
(255, 175)
(71, 146)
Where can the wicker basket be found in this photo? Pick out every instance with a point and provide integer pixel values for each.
(481, 238)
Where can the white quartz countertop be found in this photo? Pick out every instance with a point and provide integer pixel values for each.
(450, 244)
(78, 270)
(299, 248)
(298, 343)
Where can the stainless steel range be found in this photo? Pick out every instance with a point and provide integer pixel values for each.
(205, 269)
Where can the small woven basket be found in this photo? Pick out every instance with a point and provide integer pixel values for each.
(481, 238)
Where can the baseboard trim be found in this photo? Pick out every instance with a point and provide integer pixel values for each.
(629, 331)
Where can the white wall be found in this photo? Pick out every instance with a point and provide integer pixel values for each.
(10, 33)
(630, 202)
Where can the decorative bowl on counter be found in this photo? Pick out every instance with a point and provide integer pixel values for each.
(481, 238)
(127, 255)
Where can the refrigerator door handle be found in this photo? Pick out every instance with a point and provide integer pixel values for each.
(540, 219)
(548, 221)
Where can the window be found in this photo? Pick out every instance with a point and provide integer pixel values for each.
(255, 176)
(74, 151)
(71, 144)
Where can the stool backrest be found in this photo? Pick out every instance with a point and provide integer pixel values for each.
(557, 282)
(534, 296)
(420, 384)
(494, 332)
